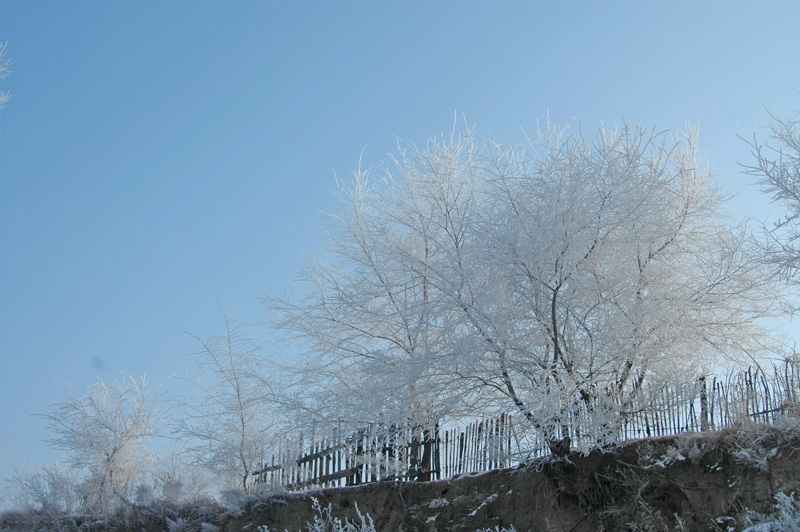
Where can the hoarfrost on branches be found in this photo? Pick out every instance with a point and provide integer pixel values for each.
(776, 168)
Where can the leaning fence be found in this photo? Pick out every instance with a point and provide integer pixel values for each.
(376, 452)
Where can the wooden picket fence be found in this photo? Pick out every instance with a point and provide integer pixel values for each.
(376, 452)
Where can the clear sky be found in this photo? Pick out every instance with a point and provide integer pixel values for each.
(160, 158)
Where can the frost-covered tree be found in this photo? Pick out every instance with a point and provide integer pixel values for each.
(777, 171)
(105, 433)
(618, 269)
(227, 424)
(567, 274)
(376, 320)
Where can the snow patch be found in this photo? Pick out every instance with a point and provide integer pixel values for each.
(438, 503)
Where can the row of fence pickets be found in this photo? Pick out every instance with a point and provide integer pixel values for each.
(376, 452)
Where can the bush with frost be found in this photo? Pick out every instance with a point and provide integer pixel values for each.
(785, 519)
(325, 522)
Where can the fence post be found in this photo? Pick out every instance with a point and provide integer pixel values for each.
(424, 469)
(703, 405)
(437, 453)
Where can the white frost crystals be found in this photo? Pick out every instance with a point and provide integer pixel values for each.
(561, 280)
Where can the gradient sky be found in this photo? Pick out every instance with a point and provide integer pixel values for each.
(159, 159)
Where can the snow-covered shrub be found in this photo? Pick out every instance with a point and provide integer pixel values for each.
(325, 522)
(651, 455)
(236, 500)
(789, 419)
(672, 455)
(680, 525)
(755, 456)
(178, 525)
(50, 490)
(785, 519)
(756, 445)
(438, 503)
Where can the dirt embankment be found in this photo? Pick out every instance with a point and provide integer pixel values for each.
(699, 482)
(694, 482)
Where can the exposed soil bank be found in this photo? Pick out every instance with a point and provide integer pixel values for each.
(644, 485)
(697, 482)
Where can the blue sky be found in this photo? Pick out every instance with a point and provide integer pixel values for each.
(158, 159)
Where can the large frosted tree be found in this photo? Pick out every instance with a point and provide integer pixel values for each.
(571, 273)
(618, 270)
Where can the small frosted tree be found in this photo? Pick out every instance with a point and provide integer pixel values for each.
(227, 425)
(105, 432)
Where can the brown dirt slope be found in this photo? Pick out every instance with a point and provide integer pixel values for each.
(694, 482)
(702, 481)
